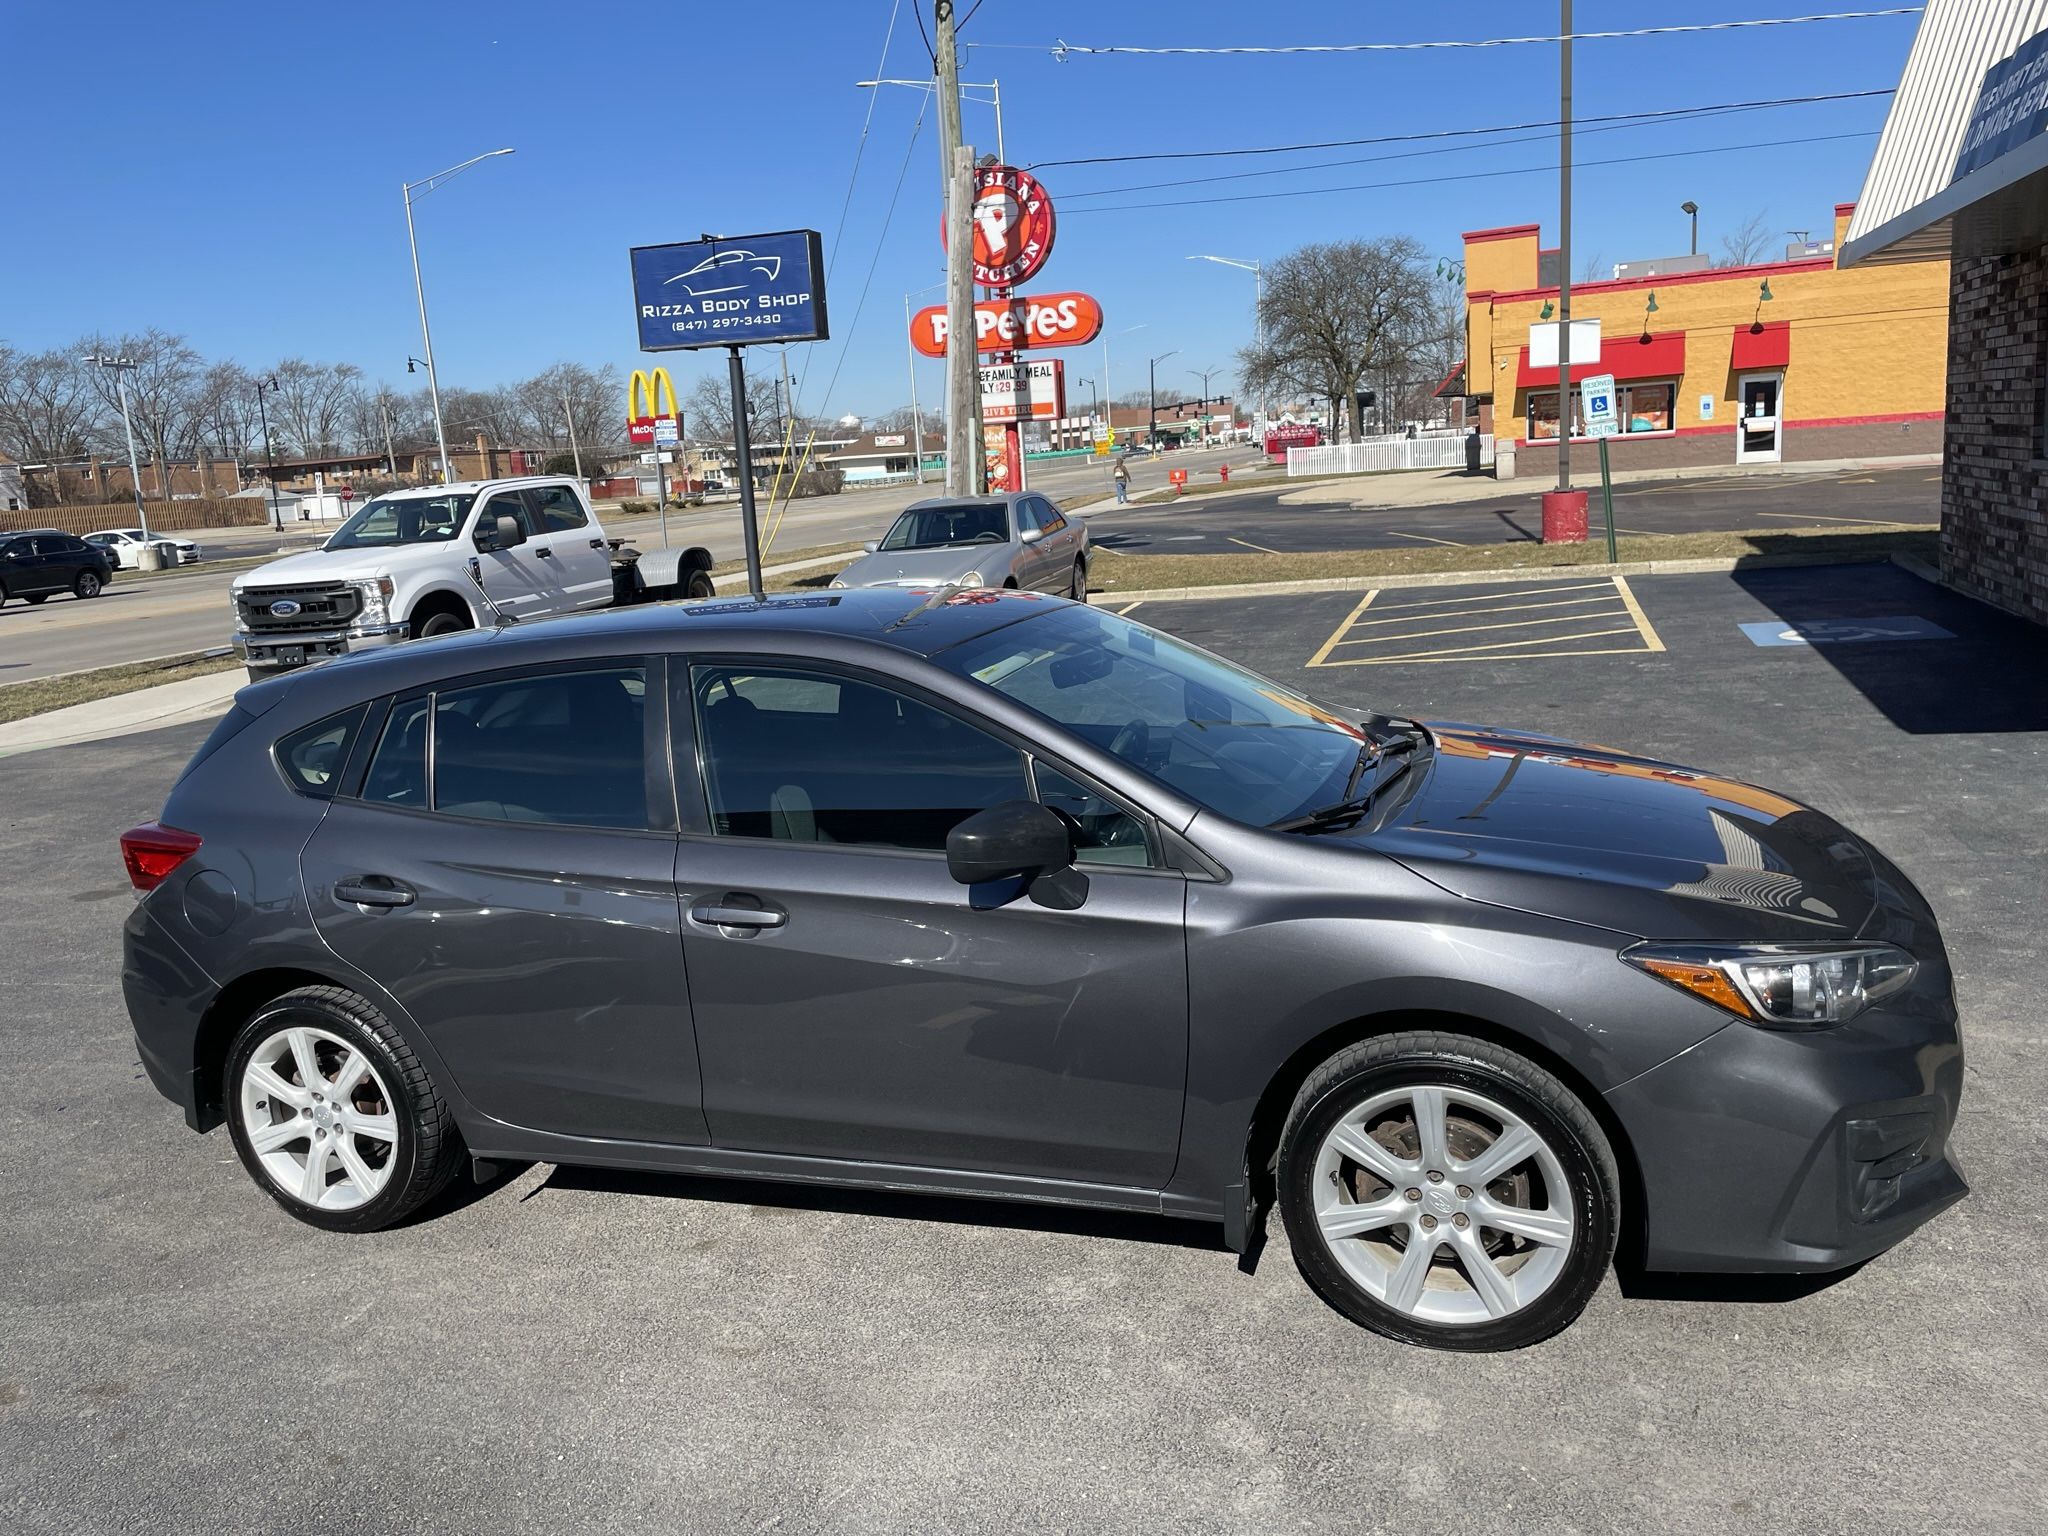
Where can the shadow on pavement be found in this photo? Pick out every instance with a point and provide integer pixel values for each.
(893, 1205)
(1987, 674)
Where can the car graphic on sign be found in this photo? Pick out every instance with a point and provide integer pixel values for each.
(725, 264)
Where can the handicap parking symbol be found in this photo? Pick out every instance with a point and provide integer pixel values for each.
(1860, 631)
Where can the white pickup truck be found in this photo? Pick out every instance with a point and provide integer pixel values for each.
(422, 562)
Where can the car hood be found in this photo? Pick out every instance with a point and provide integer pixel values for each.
(343, 564)
(1644, 847)
(916, 566)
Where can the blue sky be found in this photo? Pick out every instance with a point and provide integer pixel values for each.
(231, 171)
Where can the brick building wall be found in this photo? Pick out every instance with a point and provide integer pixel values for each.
(1994, 484)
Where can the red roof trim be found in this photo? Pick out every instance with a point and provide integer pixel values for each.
(1843, 210)
(1758, 345)
(1660, 356)
(1674, 279)
(1505, 232)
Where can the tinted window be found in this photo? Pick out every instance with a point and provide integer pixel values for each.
(404, 520)
(940, 526)
(1106, 833)
(510, 504)
(559, 508)
(14, 549)
(68, 545)
(561, 747)
(876, 768)
(398, 773)
(1049, 517)
(313, 758)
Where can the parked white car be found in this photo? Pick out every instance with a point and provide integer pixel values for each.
(440, 558)
(124, 547)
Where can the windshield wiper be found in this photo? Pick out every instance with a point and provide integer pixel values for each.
(1395, 753)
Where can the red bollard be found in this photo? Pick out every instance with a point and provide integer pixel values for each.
(1564, 517)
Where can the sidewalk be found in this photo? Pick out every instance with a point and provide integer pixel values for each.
(146, 709)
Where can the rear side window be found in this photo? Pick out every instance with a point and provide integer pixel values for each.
(568, 748)
(559, 508)
(312, 758)
(512, 504)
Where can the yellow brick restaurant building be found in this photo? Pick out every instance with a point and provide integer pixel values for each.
(1774, 362)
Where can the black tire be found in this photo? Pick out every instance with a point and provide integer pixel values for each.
(40, 597)
(1077, 588)
(428, 1150)
(87, 585)
(442, 623)
(1568, 1130)
(699, 586)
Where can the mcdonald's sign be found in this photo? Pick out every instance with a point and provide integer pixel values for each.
(647, 388)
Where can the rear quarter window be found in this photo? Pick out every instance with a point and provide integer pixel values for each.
(313, 757)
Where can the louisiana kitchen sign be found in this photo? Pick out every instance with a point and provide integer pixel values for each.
(1015, 325)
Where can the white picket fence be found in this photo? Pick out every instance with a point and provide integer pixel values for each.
(1431, 450)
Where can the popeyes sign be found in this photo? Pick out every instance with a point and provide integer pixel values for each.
(1012, 223)
(1014, 325)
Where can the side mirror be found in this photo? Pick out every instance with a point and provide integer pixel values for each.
(1018, 840)
(871, 545)
(1030, 535)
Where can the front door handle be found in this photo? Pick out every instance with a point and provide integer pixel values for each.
(544, 553)
(737, 912)
(374, 891)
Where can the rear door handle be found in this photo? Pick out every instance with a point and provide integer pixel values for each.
(374, 891)
(734, 912)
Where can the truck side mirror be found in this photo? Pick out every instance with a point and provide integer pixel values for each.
(502, 532)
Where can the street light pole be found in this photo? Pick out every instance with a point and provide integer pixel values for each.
(1693, 208)
(570, 417)
(270, 456)
(122, 367)
(1258, 273)
(1205, 374)
(424, 186)
(1152, 393)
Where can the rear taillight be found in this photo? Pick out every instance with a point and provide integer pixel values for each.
(153, 851)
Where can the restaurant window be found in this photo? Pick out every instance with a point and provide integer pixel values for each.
(1642, 407)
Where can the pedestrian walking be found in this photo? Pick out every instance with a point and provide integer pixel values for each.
(1122, 475)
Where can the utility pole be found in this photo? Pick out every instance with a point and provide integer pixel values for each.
(570, 417)
(384, 411)
(964, 467)
(916, 417)
(122, 368)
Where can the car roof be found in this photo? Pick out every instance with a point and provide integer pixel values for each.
(474, 485)
(993, 499)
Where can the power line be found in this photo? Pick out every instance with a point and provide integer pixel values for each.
(917, 10)
(1450, 133)
(1418, 181)
(1615, 123)
(882, 239)
(1062, 49)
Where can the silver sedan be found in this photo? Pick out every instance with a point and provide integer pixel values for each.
(1017, 539)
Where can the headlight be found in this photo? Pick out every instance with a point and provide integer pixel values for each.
(971, 579)
(835, 582)
(1782, 986)
(376, 595)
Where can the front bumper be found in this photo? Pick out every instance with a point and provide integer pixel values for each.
(1775, 1151)
(260, 650)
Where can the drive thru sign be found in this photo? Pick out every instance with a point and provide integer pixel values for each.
(1597, 396)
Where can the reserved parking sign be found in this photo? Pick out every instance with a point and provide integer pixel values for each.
(1597, 397)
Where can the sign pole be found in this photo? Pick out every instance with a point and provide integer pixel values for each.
(1607, 500)
(743, 444)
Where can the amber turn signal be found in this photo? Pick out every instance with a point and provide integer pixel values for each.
(1708, 981)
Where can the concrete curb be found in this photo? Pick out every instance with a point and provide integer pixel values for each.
(123, 714)
(1709, 565)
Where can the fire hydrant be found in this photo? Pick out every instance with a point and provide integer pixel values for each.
(1223, 473)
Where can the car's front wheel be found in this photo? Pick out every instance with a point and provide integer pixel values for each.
(1444, 1191)
(333, 1115)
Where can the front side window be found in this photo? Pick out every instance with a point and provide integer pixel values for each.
(1104, 832)
(1228, 739)
(559, 508)
(391, 520)
(944, 526)
(567, 748)
(876, 767)
(512, 504)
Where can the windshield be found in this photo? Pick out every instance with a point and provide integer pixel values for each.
(404, 520)
(1228, 739)
(941, 527)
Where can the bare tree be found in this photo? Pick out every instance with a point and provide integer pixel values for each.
(48, 409)
(594, 398)
(162, 387)
(1747, 243)
(498, 414)
(1595, 268)
(708, 406)
(1334, 314)
(224, 414)
(313, 404)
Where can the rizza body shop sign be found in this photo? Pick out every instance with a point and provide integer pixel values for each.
(728, 292)
(1015, 325)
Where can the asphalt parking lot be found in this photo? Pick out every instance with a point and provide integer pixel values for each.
(571, 1350)
(1274, 517)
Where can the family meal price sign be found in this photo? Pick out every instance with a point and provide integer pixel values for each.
(730, 291)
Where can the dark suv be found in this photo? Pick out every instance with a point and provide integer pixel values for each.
(994, 894)
(41, 561)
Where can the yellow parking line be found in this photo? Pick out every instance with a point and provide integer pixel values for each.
(1124, 613)
(1248, 544)
(1467, 652)
(1425, 538)
(1338, 633)
(1635, 611)
(1400, 616)
(1516, 591)
(1473, 629)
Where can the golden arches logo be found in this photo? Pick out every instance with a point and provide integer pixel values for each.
(647, 387)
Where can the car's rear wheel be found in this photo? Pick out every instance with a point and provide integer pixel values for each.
(1447, 1192)
(1077, 589)
(88, 584)
(333, 1115)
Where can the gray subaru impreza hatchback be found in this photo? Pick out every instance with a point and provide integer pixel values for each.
(995, 894)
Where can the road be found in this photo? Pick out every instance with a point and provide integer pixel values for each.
(574, 1350)
(188, 611)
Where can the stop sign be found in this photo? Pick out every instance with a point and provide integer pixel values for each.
(348, 493)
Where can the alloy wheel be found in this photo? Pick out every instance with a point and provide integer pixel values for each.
(319, 1118)
(1443, 1204)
